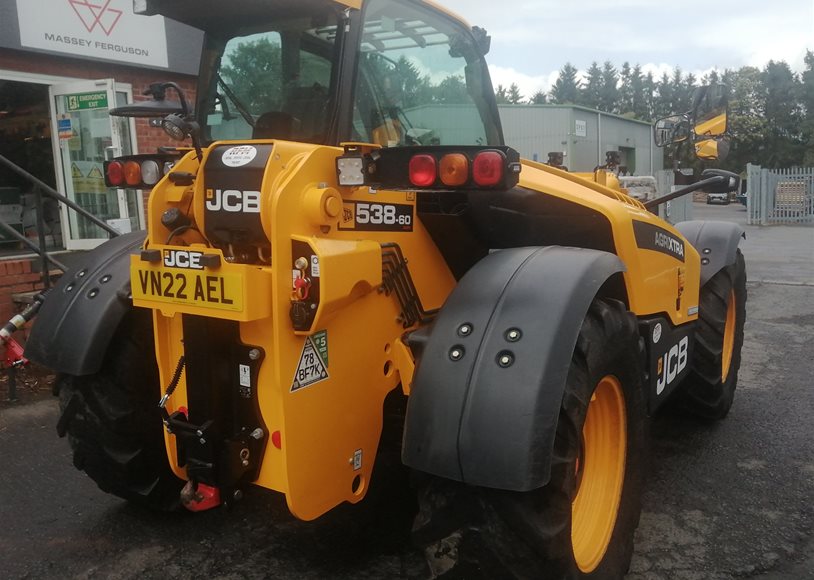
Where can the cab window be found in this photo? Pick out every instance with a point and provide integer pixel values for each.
(275, 84)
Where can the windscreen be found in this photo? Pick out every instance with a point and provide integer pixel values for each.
(422, 80)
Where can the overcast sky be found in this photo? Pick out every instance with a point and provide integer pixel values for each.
(532, 39)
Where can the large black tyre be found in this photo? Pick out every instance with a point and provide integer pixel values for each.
(599, 451)
(709, 390)
(113, 422)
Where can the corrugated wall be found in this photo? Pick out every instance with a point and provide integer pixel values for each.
(539, 129)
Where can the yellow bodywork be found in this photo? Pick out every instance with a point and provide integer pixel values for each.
(712, 127)
(330, 430)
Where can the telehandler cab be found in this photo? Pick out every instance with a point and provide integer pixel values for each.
(349, 228)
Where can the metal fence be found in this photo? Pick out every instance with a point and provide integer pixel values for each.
(780, 196)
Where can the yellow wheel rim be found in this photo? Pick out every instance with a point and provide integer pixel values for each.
(602, 470)
(729, 336)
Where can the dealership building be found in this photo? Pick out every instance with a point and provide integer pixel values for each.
(63, 65)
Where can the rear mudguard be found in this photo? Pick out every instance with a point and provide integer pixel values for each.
(716, 242)
(485, 401)
(72, 330)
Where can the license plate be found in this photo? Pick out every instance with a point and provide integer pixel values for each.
(194, 288)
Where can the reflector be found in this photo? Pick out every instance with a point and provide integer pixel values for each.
(150, 172)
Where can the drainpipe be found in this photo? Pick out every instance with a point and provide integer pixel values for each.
(598, 139)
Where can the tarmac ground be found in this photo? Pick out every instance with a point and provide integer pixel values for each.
(724, 500)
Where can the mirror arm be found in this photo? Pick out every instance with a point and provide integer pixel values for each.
(181, 98)
(717, 180)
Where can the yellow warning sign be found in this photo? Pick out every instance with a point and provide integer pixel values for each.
(75, 171)
(95, 173)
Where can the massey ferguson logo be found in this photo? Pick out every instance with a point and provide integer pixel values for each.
(232, 200)
(670, 244)
(95, 13)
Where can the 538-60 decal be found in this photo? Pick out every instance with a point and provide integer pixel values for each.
(376, 217)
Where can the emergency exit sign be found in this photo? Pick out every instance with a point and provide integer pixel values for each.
(86, 101)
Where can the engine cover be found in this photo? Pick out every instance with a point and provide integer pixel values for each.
(233, 180)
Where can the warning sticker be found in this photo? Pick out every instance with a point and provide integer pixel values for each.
(245, 379)
(320, 340)
(311, 369)
(95, 173)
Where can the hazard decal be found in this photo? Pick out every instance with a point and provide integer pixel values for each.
(95, 173)
(312, 367)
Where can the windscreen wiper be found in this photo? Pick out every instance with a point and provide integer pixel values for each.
(237, 102)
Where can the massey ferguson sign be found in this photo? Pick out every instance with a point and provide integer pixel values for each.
(103, 29)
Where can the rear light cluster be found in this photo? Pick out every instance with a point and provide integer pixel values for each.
(138, 171)
(433, 168)
(488, 169)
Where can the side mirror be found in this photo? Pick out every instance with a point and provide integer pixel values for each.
(729, 181)
(177, 122)
(672, 129)
(158, 107)
(148, 109)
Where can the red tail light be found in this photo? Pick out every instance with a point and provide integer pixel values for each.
(115, 173)
(487, 169)
(422, 170)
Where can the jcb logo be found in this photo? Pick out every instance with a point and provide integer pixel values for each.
(671, 364)
(183, 259)
(233, 200)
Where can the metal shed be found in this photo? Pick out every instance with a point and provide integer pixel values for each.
(582, 134)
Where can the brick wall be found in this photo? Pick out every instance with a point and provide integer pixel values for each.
(148, 138)
(15, 277)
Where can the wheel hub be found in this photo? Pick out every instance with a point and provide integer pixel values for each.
(601, 470)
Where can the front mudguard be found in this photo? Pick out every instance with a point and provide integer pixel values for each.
(484, 405)
(716, 241)
(80, 314)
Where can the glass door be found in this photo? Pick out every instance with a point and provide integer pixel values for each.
(88, 136)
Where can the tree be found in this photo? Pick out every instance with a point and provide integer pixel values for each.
(649, 90)
(784, 115)
(452, 91)
(682, 95)
(254, 73)
(746, 122)
(538, 98)
(609, 95)
(807, 100)
(591, 93)
(502, 95)
(626, 89)
(514, 95)
(414, 90)
(566, 87)
(641, 93)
